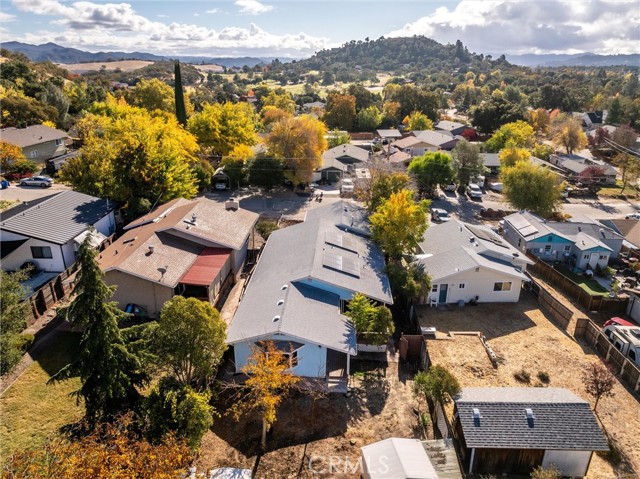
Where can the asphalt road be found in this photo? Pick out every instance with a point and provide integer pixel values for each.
(467, 209)
(29, 193)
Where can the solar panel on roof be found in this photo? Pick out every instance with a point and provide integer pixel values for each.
(528, 230)
(351, 266)
(341, 241)
(487, 236)
(340, 263)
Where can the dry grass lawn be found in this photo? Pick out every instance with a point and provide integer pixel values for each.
(32, 411)
(525, 339)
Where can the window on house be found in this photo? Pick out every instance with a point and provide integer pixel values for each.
(461, 286)
(519, 242)
(59, 142)
(547, 248)
(602, 256)
(502, 286)
(41, 252)
(33, 154)
(632, 355)
(567, 248)
(344, 304)
(586, 256)
(434, 288)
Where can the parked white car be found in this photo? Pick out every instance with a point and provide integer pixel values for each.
(450, 187)
(347, 186)
(474, 191)
(440, 215)
(496, 187)
(633, 216)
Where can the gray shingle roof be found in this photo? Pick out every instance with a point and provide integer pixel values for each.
(59, 218)
(452, 251)
(349, 152)
(436, 138)
(561, 420)
(31, 135)
(286, 279)
(490, 159)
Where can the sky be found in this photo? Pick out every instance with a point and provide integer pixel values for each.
(299, 28)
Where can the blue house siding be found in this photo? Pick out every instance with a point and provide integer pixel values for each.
(312, 358)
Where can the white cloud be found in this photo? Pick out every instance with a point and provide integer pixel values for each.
(108, 26)
(212, 11)
(523, 26)
(7, 17)
(162, 16)
(253, 7)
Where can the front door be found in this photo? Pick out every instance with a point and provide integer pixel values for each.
(443, 293)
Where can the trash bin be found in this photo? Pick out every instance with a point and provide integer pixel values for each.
(4, 184)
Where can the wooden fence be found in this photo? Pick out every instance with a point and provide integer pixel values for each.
(49, 294)
(622, 366)
(575, 292)
(558, 312)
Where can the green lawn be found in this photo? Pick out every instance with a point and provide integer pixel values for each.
(32, 411)
(630, 191)
(591, 286)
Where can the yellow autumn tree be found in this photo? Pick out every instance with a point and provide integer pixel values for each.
(129, 152)
(399, 223)
(568, 134)
(511, 155)
(299, 142)
(268, 384)
(223, 126)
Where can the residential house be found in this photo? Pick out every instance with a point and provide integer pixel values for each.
(575, 166)
(413, 146)
(341, 161)
(470, 263)
(192, 248)
(39, 143)
(594, 119)
(438, 139)
(47, 232)
(400, 158)
(630, 231)
(390, 134)
(396, 458)
(454, 128)
(511, 430)
(491, 162)
(299, 290)
(583, 243)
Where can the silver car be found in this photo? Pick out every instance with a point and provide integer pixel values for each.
(41, 181)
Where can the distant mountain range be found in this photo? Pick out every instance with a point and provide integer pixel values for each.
(578, 60)
(59, 54)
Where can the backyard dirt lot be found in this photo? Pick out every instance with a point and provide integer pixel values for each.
(309, 433)
(524, 338)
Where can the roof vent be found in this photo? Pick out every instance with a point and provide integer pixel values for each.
(194, 218)
(530, 416)
(276, 319)
(471, 239)
(280, 302)
(602, 232)
(151, 249)
(476, 417)
(580, 228)
(515, 255)
(283, 287)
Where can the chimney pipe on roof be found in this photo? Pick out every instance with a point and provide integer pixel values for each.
(151, 248)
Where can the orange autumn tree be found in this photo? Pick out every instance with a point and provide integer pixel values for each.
(268, 384)
(113, 452)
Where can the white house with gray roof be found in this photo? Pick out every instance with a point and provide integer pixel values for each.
(47, 232)
(297, 294)
(512, 430)
(342, 160)
(583, 244)
(470, 262)
(39, 143)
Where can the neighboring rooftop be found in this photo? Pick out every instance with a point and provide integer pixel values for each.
(435, 138)
(447, 125)
(528, 418)
(31, 135)
(346, 151)
(398, 458)
(392, 133)
(59, 218)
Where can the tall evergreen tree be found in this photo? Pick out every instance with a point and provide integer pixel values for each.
(181, 110)
(108, 372)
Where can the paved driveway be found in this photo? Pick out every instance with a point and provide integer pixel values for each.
(29, 193)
